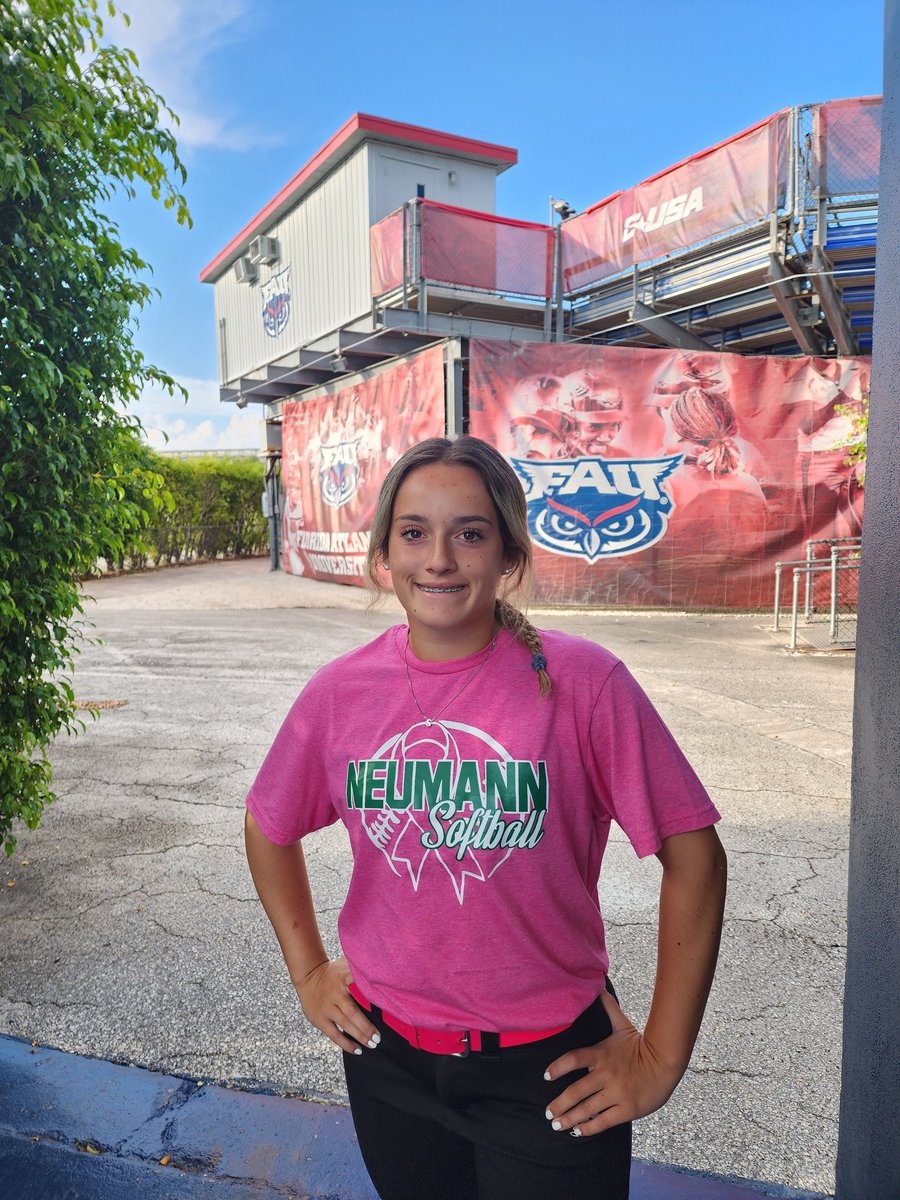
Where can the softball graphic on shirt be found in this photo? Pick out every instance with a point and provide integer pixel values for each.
(448, 795)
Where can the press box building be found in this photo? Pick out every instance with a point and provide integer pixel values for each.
(294, 291)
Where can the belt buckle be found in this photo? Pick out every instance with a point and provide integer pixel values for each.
(466, 1043)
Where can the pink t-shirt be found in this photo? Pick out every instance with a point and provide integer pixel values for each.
(477, 840)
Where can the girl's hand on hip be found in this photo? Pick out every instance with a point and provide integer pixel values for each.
(625, 1080)
(328, 1005)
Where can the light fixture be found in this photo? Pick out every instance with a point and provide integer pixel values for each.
(563, 208)
(339, 363)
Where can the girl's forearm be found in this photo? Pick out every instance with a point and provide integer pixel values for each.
(281, 881)
(691, 905)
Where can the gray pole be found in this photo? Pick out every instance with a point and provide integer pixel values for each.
(274, 512)
(868, 1163)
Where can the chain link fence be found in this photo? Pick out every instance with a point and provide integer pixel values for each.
(823, 593)
(169, 545)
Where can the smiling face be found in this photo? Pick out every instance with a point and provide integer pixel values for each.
(596, 436)
(447, 558)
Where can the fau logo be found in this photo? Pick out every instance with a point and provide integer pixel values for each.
(276, 299)
(594, 508)
(339, 472)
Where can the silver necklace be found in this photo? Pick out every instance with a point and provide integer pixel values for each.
(431, 720)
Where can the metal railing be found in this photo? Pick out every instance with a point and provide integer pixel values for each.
(838, 616)
(848, 544)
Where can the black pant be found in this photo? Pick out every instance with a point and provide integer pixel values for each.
(437, 1127)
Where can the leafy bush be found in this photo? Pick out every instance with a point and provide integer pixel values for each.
(212, 508)
(76, 123)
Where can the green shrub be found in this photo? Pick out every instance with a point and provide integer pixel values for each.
(213, 508)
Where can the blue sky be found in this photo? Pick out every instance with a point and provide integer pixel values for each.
(594, 97)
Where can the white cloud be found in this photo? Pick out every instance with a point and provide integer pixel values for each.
(171, 39)
(201, 423)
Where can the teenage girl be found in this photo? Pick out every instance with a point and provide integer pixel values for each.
(477, 765)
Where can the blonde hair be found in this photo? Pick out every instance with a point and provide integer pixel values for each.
(506, 494)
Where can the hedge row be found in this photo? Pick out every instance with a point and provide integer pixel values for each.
(212, 509)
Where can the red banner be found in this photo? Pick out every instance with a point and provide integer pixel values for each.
(386, 251)
(479, 250)
(665, 477)
(337, 449)
(737, 182)
(847, 146)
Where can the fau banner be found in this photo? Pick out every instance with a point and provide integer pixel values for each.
(732, 184)
(337, 449)
(667, 477)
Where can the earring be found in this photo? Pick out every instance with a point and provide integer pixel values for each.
(508, 570)
(386, 565)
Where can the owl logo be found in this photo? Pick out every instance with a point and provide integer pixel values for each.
(339, 472)
(275, 294)
(593, 508)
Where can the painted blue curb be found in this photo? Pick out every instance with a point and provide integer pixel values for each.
(76, 1128)
(90, 1125)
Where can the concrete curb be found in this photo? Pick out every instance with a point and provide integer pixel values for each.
(79, 1128)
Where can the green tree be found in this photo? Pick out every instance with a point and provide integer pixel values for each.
(77, 123)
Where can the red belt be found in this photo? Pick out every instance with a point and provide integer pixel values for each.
(454, 1041)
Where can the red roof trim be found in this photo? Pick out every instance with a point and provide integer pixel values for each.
(433, 137)
(395, 130)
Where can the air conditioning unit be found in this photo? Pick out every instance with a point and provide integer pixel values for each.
(245, 271)
(264, 250)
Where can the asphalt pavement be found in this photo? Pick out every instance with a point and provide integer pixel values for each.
(154, 1045)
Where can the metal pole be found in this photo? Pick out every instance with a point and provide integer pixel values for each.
(405, 254)
(777, 596)
(551, 291)
(834, 592)
(454, 382)
(810, 556)
(792, 170)
(559, 283)
(794, 605)
(273, 505)
(420, 279)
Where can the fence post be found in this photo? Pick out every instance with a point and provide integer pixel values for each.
(810, 557)
(795, 601)
(406, 254)
(422, 302)
(834, 592)
(777, 624)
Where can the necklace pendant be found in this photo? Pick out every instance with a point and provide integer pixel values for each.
(428, 721)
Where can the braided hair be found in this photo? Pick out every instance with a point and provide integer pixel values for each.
(505, 490)
(512, 618)
(708, 419)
